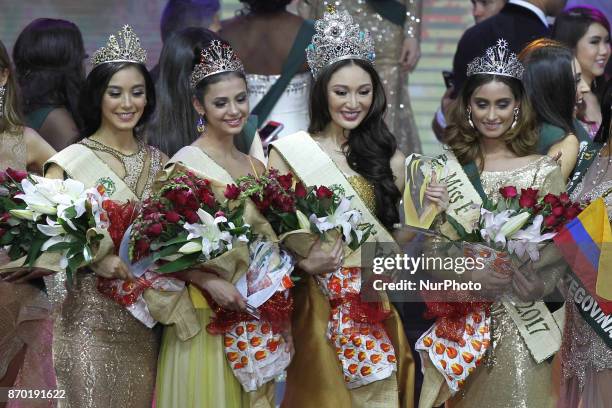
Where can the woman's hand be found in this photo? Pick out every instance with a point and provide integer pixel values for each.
(24, 275)
(112, 267)
(320, 262)
(223, 293)
(528, 285)
(437, 193)
(492, 281)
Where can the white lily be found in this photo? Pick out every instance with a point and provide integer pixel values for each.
(212, 238)
(25, 214)
(302, 220)
(52, 229)
(514, 224)
(526, 241)
(342, 217)
(492, 224)
(34, 199)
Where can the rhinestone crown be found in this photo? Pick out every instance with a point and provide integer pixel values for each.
(337, 38)
(218, 57)
(498, 60)
(125, 47)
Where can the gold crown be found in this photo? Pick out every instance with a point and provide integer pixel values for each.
(218, 57)
(125, 47)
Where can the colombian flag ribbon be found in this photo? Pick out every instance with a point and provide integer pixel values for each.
(586, 245)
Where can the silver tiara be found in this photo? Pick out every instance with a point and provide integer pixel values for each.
(498, 60)
(216, 58)
(125, 47)
(337, 38)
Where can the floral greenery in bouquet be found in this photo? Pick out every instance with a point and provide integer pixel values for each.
(183, 225)
(520, 223)
(55, 216)
(289, 208)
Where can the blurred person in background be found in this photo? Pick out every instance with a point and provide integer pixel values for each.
(49, 56)
(586, 31)
(277, 77)
(180, 14)
(483, 9)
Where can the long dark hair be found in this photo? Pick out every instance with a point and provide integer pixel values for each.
(464, 140)
(549, 82)
(266, 6)
(90, 101)
(370, 145)
(10, 115)
(572, 24)
(604, 134)
(48, 56)
(174, 123)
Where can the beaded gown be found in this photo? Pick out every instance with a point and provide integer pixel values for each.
(24, 309)
(515, 379)
(586, 361)
(388, 40)
(103, 356)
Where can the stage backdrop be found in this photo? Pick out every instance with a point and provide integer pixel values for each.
(443, 23)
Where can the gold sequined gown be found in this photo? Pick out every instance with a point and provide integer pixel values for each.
(314, 378)
(388, 41)
(103, 356)
(515, 380)
(586, 360)
(24, 308)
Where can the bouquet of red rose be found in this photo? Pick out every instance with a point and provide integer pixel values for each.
(515, 230)
(301, 215)
(53, 224)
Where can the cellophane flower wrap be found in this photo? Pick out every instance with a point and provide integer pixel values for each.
(54, 224)
(300, 215)
(515, 230)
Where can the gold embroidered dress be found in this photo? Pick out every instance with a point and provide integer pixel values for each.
(315, 376)
(515, 379)
(103, 356)
(24, 308)
(388, 40)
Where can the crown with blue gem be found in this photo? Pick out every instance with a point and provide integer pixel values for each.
(498, 60)
(337, 38)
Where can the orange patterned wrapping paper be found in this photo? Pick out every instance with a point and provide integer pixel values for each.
(364, 349)
(457, 360)
(255, 353)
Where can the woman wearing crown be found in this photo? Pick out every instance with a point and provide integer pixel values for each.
(103, 356)
(348, 144)
(207, 365)
(492, 139)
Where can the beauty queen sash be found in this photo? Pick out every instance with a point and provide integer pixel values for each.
(456, 360)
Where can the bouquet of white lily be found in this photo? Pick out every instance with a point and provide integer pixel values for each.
(56, 216)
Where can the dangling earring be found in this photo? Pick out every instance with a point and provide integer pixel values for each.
(516, 116)
(469, 117)
(201, 126)
(2, 92)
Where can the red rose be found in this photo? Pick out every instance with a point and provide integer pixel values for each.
(564, 198)
(16, 175)
(528, 198)
(173, 217)
(558, 211)
(142, 246)
(286, 181)
(324, 192)
(300, 190)
(209, 200)
(551, 221)
(571, 212)
(155, 230)
(219, 214)
(192, 203)
(508, 192)
(551, 199)
(182, 197)
(231, 192)
(191, 217)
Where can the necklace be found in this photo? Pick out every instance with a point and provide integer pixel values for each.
(133, 164)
